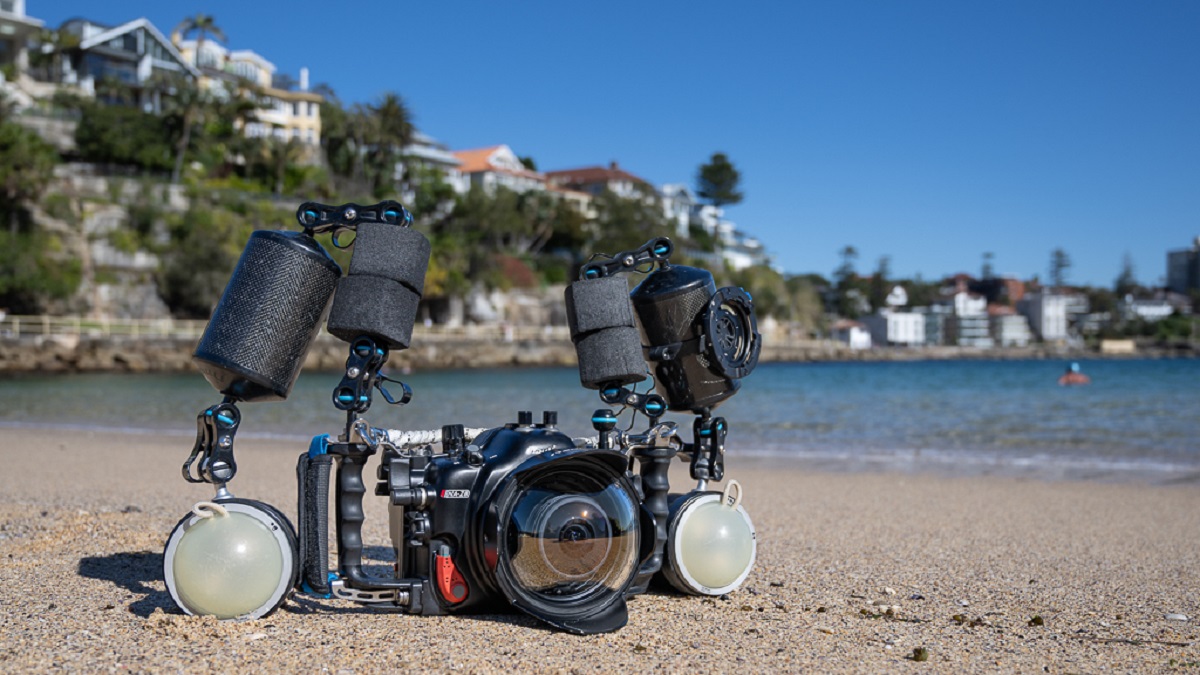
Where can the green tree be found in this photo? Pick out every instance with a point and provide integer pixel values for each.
(275, 156)
(768, 288)
(205, 244)
(718, 181)
(35, 270)
(880, 285)
(921, 293)
(1059, 262)
(626, 223)
(805, 307)
(118, 135)
(1126, 282)
(846, 288)
(1101, 300)
(26, 167)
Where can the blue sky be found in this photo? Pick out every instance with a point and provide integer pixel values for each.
(929, 132)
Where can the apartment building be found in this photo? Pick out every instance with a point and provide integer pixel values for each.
(1183, 268)
(131, 56)
(15, 31)
(1047, 314)
(287, 113)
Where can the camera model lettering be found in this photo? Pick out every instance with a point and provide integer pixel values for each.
(481, 519)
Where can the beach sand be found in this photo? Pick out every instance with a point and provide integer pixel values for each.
(855, 571)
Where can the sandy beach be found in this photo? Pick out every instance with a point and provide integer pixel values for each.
(856, 572)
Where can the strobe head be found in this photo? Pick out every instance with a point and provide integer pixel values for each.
(255, 342)
(711, 543)
(700, 340)
(232, 559)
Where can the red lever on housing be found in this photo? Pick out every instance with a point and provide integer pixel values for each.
(451, 584)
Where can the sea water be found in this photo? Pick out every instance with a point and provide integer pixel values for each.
(1137, 418)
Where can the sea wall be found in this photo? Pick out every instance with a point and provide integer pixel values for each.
(67, 353)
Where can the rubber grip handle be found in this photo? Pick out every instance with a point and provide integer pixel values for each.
(350, 491)
(656, 484)
(312, 474)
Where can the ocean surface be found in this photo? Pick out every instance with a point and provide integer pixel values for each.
(1138, 419)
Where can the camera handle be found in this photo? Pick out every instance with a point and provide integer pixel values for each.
(654, 452)
(351, 582)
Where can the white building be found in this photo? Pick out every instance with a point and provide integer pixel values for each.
(1011, 330)
(132, 54)
(1047, 314)
(896, 328)
(425, 150)
(969, 304)
(971, 325)
(852, 333)
(679, 203)
(493, 167)
(15, 31)
(1146, 310)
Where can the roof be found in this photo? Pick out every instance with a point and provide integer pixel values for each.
(590, 175)
(479, 160)
(101, 38)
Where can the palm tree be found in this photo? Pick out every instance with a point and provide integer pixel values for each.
(393, 128)
(188, 103)
(204, 25)
(278, 154)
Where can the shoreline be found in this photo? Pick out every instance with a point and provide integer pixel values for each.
(931, 465)
(984, 573)
(81, 354)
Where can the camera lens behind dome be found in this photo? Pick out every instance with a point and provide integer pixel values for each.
(569, 544)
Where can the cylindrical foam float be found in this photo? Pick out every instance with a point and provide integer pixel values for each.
(604, 332)
(380, 295)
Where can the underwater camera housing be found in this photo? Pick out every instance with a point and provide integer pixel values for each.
(520, 515)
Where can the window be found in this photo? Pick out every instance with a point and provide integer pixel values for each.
(312, 109)
(246, 70)
(8, 6)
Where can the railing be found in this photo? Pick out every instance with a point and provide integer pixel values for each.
(16, 326)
